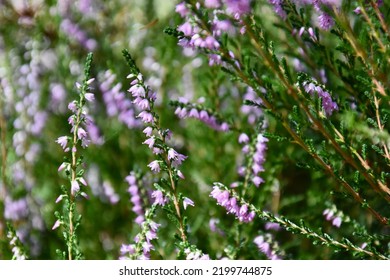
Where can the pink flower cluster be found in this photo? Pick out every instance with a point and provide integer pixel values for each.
(330, 215)
(258, 157)
(328, 104)
(231, 204)
(135, 198)
(142, 239)
(191, 112)
(266, 248)
(117, 105)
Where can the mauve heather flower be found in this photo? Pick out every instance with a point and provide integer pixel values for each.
(186, 202)
(182, 9)
(266, 248)
(215, 4)
(328, 104)
(146, 117)
(150, 142)
(75, 187)
(231, 205)
(330, 215)
(155, 166)
(325, 21)
(63, 141)
(238, 7)
(278, 8)
(135, 198)
(159, 198)
(243, 138)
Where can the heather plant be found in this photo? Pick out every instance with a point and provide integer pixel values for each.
(213, 129)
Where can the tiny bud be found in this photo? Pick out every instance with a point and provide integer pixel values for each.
(56, 225)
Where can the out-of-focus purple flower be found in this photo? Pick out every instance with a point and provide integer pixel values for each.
(337, 222)
(238, 7)
(94, 134)
(266, 248)
(214, 228)
(76, 33)
(90, 97)
(243, 138)
(214, 4)
(109, 192)
(278, 8)
(358, 10)
(182, 9)
(325, 21)
(135, 198)
(15, 209)
(117, 105)
(272, 226)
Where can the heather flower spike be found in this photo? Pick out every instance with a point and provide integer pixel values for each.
(79, 120)
(168, 159)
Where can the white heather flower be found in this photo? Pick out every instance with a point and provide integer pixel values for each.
(75, 187)
(63, 141)
(187, 202)
(81, 133)
(90, 97)
(155, 166)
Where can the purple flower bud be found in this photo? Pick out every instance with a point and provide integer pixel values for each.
(56, 225)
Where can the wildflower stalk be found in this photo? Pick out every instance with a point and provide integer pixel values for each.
(18, 250)
(319, 238)
(176, 204)
(72, 168)
(172, 172)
